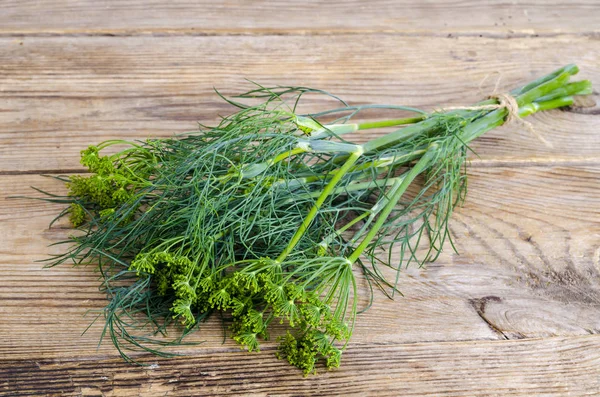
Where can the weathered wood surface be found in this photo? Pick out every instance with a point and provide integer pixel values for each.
(298, 17)
(520, 274)
(560, 366)
(60, 94)
(516, 312)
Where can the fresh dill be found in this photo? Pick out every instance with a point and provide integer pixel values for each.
(269, 216)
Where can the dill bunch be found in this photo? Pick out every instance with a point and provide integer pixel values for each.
(269, 216)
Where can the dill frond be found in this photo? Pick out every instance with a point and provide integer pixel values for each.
(268, 215)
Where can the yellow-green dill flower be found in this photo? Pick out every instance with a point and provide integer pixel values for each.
(76, 214)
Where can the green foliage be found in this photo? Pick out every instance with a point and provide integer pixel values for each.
(108, 187)
(305, 351)
(266, 217)
(182, 309)
(76, 214)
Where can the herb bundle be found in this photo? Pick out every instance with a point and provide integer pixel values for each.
(269, 216)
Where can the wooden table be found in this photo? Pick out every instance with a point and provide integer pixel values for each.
(515, 312)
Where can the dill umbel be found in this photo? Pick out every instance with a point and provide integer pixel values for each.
(271, 215)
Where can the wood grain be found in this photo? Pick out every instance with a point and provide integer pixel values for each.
(566, 366)
(66, 293)
(307, 17)
(515, 312)
(60, 94)
(527, 267)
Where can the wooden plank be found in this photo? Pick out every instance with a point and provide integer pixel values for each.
(530, 235)
(67, 293)
(547, 367)
(527, 267)
(60, 94)
(259, 16)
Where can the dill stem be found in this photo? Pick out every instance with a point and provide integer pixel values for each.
(289, 153)
(497, 117)
(419, 167)
(571, 69)
(524, 96)
(352, 222)
(340, 129)
(390, 122)
(543, 89)
(535, 107)
(400, 135)
(354, 187)
(317, 205)
(327, 131)
(378, 164)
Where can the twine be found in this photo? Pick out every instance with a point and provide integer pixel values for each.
(508, 102)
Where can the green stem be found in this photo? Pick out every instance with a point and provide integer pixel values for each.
(340, 129)
(497, 117)
(350, 224)
(571, 69)
(543, 89)
(547, 89)
(418, 168)
(534, 107)
(354, 187)
(545, 86)
(400, 135)
(583, 87)
(377, 208)
(356, 109)
(111, 142)
(317, 205)
(285, 155)
(390, 123)
(371, 213)
(380, 165)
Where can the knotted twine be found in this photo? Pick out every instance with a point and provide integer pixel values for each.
(508, 102)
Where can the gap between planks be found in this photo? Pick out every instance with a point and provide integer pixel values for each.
(554, 366)
(191, 32)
